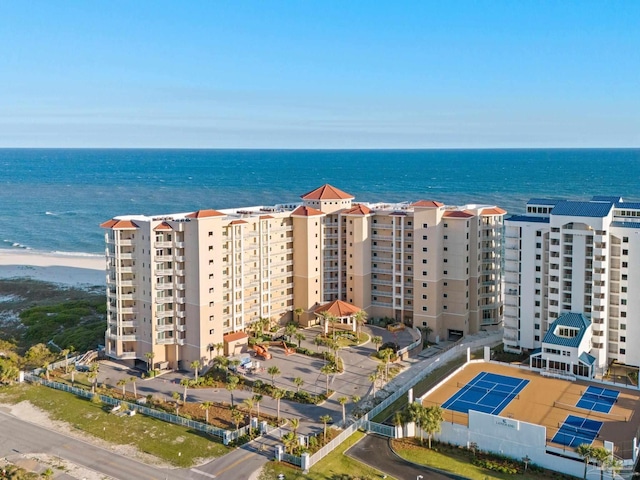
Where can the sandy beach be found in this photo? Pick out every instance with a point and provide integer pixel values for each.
(65, 269)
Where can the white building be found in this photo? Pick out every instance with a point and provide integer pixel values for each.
(580, 257)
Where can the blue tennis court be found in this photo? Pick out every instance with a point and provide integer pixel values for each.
(575, 431)
(598, 399)
(487, 393)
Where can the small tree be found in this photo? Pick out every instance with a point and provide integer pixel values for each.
(325, 419)
(250, 404)
(377, 341)
(343, 401)
(133, 383)
(65, 354)
(274, 371)
(327, 370)
(237, 416)
(601, 455)
(257, 398)
(295, 424)
(206, 406)
(290, 441)
(290, 330)
(232, 384)
(176, 398)
(122, 383)
(149, 356)
(219, 348)
(432, 421)
(298, 382)
(277, 394)
(317, 342)
(195, 365)
(185, 383)
(299, 336)
(360, 317)
(373, 378)
(586, 452)
(298, 312)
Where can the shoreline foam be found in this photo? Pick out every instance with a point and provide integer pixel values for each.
(68, 269)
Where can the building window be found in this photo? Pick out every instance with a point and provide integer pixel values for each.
(424, 237)
(622, 351)
(424, 249)
(446, 225)
(623, 339)
(212, 331)
(536, 326)
(424, 225)
(625, 239)
(424, 309)
(424, 297)
(446, 273)
(537, 338)
(424, 285)
(424, 260)
(424, 273)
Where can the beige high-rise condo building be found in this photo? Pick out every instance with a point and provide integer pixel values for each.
(178, 285)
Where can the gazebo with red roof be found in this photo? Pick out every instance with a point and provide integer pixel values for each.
(343, 311)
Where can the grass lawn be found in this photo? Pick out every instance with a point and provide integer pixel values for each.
(332, 466)
(456, 460)
(161, 439)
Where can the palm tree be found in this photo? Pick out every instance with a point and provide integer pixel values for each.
(176, 397)
(274, 371)
(386, 355)
(93, 376)
(601, 455)
(236, 416)
(122, 383)
(343, 401)
(290, 330)
(327, 370)
(432, 421)
(325, 419)
(46, 366)
(373, 378)
(298, 312)
(290, 441)
(317, 341)
(299, 336)
(613, 465)
(250, 404)
(65, 354)
(586, 452)
(185, 383)
(332, 319)
(232, 384)
(133, 382)
(149, 356)
(196, 367)
(355, 399)
(277, 394)
(257, 398)
(360, 318)
(295, 424)
(298, 382)
(206, 406)
(219, 347)
(377, 341)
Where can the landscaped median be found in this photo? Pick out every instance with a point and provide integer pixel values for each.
(174, 444)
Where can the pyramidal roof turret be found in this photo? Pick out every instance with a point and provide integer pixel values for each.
(327, 192)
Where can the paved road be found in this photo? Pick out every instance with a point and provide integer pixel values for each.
(374, 450)
(20, 437)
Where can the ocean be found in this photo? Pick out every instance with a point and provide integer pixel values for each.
(53, 200)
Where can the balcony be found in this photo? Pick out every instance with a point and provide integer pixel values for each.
(125, 269)
(163, 272)
(163, 244)
(164, 341)
(125, 242)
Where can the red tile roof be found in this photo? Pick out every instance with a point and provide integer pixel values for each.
(493, 211)
(119, 224)
(358, 210)
(163, 226)
(303, 211)
(265, 217)
(427, 203)
(326, 192)
(234, 337)
(238, 222)
(205, 214)
(458, 214)
(338, 308)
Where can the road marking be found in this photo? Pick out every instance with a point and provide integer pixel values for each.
(235, 464)
(203, 473)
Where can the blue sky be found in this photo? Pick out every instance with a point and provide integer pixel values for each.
(324, 74)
